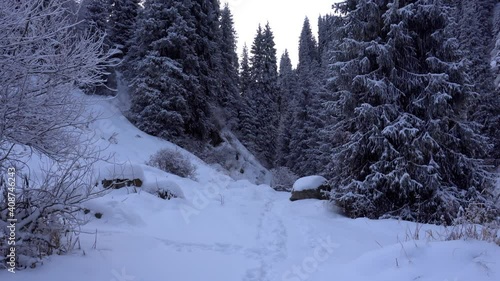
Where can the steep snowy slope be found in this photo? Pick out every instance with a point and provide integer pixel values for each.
(229, 230)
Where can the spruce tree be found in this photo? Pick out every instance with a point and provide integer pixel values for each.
(181, 40)
(306, 107)
(121, 23)
(230, 99)
(159, 85)
(287, 83)
(404, 146)
(474, 31)
(247, 120)
(245, 74)
(264, 94)
(97, 16)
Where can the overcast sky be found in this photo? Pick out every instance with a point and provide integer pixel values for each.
(285, 17)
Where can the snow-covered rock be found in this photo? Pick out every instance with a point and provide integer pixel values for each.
(121, 171)
(311, 187)
(309, 182)
(163, 188)
(121, 175)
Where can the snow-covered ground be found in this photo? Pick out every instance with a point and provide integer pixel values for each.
(309, 182)
(227, 230)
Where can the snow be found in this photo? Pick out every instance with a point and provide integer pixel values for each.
(125, 170)
(309, 182)
(225, 229)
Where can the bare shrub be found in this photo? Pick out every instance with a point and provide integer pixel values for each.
(47, 209)
(174, 162)
(42, 59)
(283, 179)
(478, 222)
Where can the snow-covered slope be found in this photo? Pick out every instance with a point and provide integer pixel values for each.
(228, 230)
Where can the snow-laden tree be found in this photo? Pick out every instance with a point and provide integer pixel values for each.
(42, 60)
(287, 83)
(263, 97)
(307, 108)
(155, 67)
(245, 75)
(97, 17)
(229, 98)
(476, 35)
(178, 43)
(123, 14)
(247, 125)
(404, 147)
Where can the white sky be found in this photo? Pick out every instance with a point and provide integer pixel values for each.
(285, 18)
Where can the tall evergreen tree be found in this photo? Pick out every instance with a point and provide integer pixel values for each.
(287, 83)
(306, 107)
(248, 122)
(178, 43)
(205, 67)
(156, 68)
(230, 99)
(404, 147)
(97, 15)
(121, 23)
(264, 94)
(474, 31)
(245, 74)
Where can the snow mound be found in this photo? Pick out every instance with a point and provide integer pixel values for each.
(307, 183)
(121, 171)
(420, 260)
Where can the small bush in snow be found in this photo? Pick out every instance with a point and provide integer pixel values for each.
(283, 179)
(224, 155)
(165, 194)
(172, 161)
(478, 222)
(46, 211)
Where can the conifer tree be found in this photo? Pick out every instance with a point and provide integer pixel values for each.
(306, 107)
(264, 94)
(248, 122)
(474, 31)
(230, 99)
(175, 63)
(159, 85)
(404, 146)
(245, 75)
(287, 83)
(121, 23)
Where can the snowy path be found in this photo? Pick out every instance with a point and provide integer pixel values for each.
(271, 239)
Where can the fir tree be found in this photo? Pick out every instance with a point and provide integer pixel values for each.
(230, 99)
(287, 83)
(159, 84)
(475, 29)
(404, 147)
(248, 122)
(97, 18)
(181, 40)
(306, 107)
(121, 23)
(264, 94)
(245, 74)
